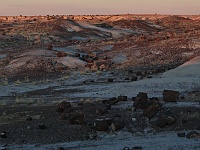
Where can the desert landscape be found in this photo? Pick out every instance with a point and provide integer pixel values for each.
(124, 82)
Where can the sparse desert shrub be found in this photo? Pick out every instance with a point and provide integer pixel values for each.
(19, 100)
(40, 101)
(3, 103)
(4, 82)
(18, 82)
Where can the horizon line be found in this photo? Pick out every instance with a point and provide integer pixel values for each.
(102, 14)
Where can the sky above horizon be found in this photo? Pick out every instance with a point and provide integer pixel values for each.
(85, 7)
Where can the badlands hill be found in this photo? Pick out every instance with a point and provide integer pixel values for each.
(153, 43)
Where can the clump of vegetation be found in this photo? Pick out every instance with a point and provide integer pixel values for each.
(18, 82)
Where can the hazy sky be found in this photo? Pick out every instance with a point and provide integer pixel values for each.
(65, 7)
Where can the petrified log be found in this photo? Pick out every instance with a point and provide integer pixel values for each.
(150, 111)
(170, 96)
(117, 125)
(101, 124)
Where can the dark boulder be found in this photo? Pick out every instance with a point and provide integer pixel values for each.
(151, 110)
(141, 101)
(170, 96)
(101, 124)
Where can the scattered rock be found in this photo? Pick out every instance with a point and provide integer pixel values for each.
(193, 134)
(170, 96)
(3, 148)
(181, 134)
(60, 148)
(92, 136)
(134, 79)
(3, 134)
(126, 148)
(42, 126)
(29, 118)
(77, 55)
(50, 47)
(149, 77)
(169, 120)
(29, 127)
(136, 147)
(110, 80)
(61, 54)
(134, 119)
(138, 134)
(126, 78)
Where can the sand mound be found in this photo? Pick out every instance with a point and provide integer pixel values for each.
(188, 69)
